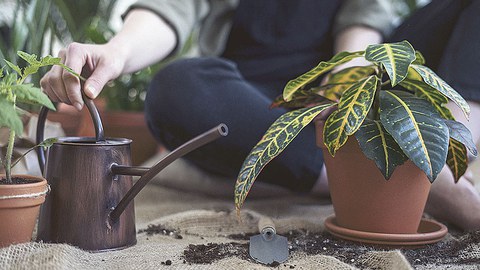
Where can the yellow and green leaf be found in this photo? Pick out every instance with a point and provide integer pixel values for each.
(414, 82)
(457, 159)
(460, 140)
(380, 147)
(342, 80)
(302, 98)
(352, 111)
(460, 132)
(275, 140)
(323, 67)
(432, 79)
(417, 128)
(419, 59)
(395, 57)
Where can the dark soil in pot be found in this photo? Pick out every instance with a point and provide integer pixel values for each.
(17, 181)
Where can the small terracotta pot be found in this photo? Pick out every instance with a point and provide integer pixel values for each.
(363, 200)
(19, 208)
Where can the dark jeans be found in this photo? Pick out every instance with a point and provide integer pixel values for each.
(190, 96)
(198, 94)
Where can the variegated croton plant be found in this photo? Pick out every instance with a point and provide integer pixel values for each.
(395, 108)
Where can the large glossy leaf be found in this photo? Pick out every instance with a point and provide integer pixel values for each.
(323, 67)
(414, 82)
(457, 153)
(9, 117)
(352, 111)
(275, 140)
(342, 80)
(436, 82)
(380, 147)
(395, 57)
(460, 132)
(417, 128)
(457, 159)
(27, 93)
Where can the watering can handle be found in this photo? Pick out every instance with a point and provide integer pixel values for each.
(42, 117)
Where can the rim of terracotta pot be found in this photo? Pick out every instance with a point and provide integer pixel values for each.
(35, 191)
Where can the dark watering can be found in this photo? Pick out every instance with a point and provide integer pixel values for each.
(91, 200)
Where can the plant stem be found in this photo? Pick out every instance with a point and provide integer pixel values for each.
(23, 155)
(8, 157)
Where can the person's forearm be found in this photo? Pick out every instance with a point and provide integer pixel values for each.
(356, 38)
(144, 40)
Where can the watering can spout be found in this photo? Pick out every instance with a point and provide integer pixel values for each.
(147, 175)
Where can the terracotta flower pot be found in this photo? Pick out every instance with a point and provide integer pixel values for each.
(19, 208)
(364, 201)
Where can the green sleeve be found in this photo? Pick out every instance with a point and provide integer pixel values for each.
(376, 14)
(182, 15)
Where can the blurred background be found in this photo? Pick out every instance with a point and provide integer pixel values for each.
(43, 27)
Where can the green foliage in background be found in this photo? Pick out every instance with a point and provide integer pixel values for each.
(38, 23)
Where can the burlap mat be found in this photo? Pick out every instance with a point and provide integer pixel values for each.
(186, 220)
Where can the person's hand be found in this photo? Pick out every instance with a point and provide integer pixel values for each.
(97, 63)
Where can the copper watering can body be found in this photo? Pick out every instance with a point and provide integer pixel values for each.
(91, 200)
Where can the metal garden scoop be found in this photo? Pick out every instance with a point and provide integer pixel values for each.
(268, 247)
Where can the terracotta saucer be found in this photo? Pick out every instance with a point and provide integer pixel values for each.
(429, 232)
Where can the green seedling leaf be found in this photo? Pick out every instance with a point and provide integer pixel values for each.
(380, 147)
(27, 93)
(9, 117)
(14, 67)
(323, 67)
(352, 111)
(436, 82)
(50, 60)
(72, 72)
(395, 57)
(417, 128)
(460, 132)
(31, 59)
(47, 143)
(275, 140)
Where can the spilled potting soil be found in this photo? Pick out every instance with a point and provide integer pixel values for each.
(456, 250)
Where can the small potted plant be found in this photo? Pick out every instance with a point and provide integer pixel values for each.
(20, 195)
(386, 137)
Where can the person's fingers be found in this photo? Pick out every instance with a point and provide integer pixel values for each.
(97, 80)
(75, 59)
(52, 82)
(45, 85)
